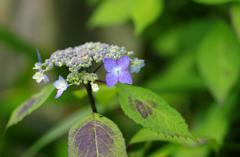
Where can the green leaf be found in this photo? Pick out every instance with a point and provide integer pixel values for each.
(56, 132)
(106, 95)
(61, 129)
(181, 38)
(168, 43)
(111, 12)
(182, 68)
(212, 125)
(218, 60)
(96, 136)
(145, 12)
(201, 151)
(175, 40)
(235, 15)
(151, 111)
(115, 12)
(30, 105)
(214, 1)
(215, 122)
(140, 152)
(145, 135)
(165, 151)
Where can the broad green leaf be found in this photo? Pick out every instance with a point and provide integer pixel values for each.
(145, 12)
(145, 135)
(168, 43)
(61, 129)
(103, 96)
(235, 15)
(106, 95)
(215, 122)
(201, 151)
(151, 111)
(140, 152)
(218, 60)
(115, 12)
(182, 68)
(96, 136)
(80, 94)
(111, 12)
(56, 132)
(30, 105)
(136, 153)
(181, 38)
(61, 149)
(165, 151)
(213, 125)
(214, 1)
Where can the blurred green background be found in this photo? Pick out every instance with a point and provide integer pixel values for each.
(192, 55)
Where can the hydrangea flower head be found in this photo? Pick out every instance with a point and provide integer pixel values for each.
(117, 71)
(83, 63)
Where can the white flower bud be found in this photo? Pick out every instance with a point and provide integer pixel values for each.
(95, 87)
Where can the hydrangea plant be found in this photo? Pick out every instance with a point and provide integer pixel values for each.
(81, 61)
(96, 135)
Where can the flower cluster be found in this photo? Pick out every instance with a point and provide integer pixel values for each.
(81, 60)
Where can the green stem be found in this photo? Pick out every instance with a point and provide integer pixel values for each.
(91, 98)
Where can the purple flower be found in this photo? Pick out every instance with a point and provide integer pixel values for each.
(61, 85)
(117, 71)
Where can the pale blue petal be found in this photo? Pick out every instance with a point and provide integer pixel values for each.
(135, 68)
(61, 83)
(59, 93)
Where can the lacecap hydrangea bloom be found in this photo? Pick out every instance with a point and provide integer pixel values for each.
(83, 63)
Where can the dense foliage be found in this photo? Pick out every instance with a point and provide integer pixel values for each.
(183, 102)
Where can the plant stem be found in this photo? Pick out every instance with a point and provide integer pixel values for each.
(101, 81)
(97, 68)
(91, 98)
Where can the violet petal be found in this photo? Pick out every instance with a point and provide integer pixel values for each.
(111, 79)
(123, 62)
(109, 64)
(125, 77)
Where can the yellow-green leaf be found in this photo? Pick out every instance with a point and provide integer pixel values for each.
(111, 12)
(145, 12)
(30, 105)
(151, 111)
(214, 1)
(218, 60)
(145, 135)
(235, 15)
